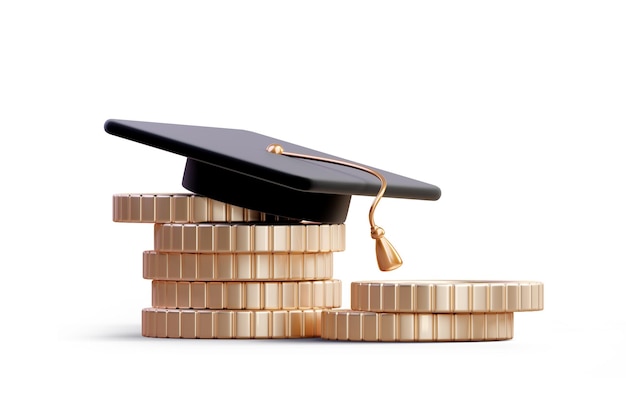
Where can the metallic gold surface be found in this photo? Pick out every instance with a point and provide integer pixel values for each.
(350, 325)
(299, 295)
(230, 324)
(446, 296)
(245, 238)
(168, 266)
(183, 208)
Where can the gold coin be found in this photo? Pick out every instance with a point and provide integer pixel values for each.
(183, 208)
(300, 295)
(169, 266)
(247, 238)
(229, 324)
(446, 296)
(371, 326)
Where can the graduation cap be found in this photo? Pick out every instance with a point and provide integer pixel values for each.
(257, 172)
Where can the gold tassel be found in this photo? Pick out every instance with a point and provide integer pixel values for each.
(386, 255)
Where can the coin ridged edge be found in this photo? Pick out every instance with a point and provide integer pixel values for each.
(229, 324)
(366, 326)
(446, 296)
(168, 266)
(247, 238)
(247, 295)
(183, 208)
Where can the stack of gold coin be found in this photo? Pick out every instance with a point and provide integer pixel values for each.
(220, 271)
(431, 311)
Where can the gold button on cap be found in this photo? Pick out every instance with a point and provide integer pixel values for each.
(229, 324)
(365, 326)
(247, 295)
(247, 238)
(446, 296)
(183, 208)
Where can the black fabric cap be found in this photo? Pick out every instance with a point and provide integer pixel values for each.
(234, 166)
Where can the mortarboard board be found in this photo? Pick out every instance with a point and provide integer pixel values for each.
(235, 167)
(261, 173)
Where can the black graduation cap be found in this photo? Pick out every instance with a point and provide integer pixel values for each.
(234, 166)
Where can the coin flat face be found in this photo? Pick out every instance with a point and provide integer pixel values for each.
(245, 238)
(230, 324)
(367, 326)
(463, 296)
(297, 295)
(184, 208)
(171, 266)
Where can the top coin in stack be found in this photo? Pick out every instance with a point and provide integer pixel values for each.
(469, 296)
(184, 208)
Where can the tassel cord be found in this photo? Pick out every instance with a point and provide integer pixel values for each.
(381, 192)
(388, 258)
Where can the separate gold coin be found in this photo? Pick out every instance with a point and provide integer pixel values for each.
(300, 295)
(229, 324)
(370, 326)
(247, 238)
(183, 208)
(169, 266)
(446, 296)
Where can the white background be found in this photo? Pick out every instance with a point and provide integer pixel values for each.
(516, 110)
